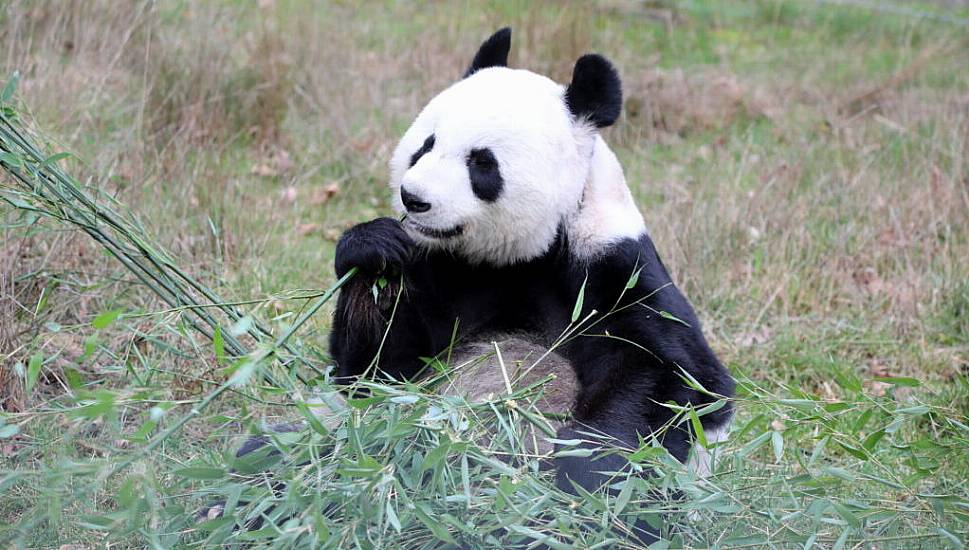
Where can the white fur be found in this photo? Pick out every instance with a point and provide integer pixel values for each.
(555, 169)
(702, 461)
(608, 212)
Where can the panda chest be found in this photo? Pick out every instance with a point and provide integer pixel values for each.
(528, 297)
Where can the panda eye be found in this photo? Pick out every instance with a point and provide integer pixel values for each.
(482, 158)
(485, 175)
(428, 145)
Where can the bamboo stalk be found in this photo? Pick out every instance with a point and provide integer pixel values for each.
(39, 185)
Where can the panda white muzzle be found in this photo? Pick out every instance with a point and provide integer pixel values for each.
(433, 232)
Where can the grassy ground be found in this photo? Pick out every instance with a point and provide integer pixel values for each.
(801, 166)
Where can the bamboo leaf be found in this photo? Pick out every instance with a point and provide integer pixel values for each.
(435, 456)
(105, 319)
(10, 87)
(838, 472)
(436, 527)
(777, 441)
(241, 326)
(624, 495)
(950, 538)
(667, 315)
(914, 411)
(201, 473)
(633, 279)
(580, 453)
(698, 431)
(11, 159)
(243, 371)
(52, 160)
(755, 444)
(818, 450)
(311, 419)
(899, 381)
(33, 370)
(577, 310)
(840, 543)
(872, 440)
(846, 514)
(884, 481)
(392, 515)
(218, 343)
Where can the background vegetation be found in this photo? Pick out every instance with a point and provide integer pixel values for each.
(801, 166)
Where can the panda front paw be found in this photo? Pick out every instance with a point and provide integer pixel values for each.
(375, 247)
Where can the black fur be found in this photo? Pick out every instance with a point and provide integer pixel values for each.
(357, 245)
(627, 363)
(595, 92)
(485, 175)
(492, 53)
(425, 148)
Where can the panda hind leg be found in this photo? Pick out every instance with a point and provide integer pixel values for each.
(249, 446)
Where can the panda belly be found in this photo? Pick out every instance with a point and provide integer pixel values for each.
(478, 375)
(486, 370)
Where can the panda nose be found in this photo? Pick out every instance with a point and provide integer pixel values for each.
(412, 202)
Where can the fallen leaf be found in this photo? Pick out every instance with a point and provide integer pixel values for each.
(276, 163)
(322, 196)
(305, 229)
(878, 389)
(282, 161)
(868, 280)
(263, 169)
(754, 337)
(878, 369)
(9, 450)
(827, 392)
(753, 234)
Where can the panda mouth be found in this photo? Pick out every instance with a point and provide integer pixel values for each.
(432, 232)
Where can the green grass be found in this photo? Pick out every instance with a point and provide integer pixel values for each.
(822, 232)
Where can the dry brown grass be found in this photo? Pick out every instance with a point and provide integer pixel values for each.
(670, 104)
(42, 280)
(224, 125)
(801, 168)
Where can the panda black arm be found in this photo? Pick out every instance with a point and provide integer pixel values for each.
(628, 363)
(388, 324)
(666, 324)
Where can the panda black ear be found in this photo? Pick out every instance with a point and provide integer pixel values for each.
(595, 92)
(492, 53)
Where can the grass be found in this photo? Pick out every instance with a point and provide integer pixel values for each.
(801, 167)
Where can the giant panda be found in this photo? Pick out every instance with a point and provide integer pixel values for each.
(514, 218)
(513, 207)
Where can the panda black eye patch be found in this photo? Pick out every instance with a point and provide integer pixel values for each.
(426, 148)
(485, 176)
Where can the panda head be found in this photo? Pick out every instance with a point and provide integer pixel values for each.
(495, 164)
